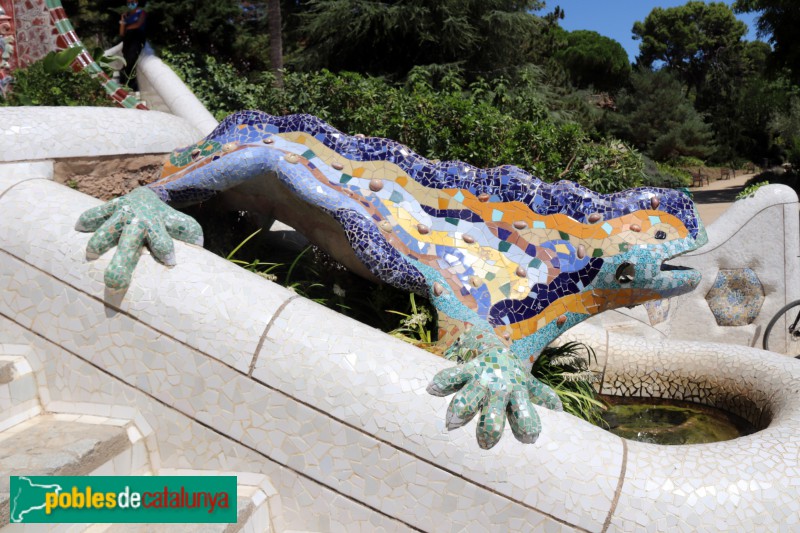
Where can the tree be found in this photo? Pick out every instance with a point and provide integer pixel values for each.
(778, 21)
(594, 60)
(390, 37)
(738, 100)
(656, 117)
(688, 39)
(276, 41)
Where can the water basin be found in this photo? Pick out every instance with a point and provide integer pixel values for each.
(671, 422)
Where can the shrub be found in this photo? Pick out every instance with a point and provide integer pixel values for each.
(51, 82)
(448, 123)
(663, 175)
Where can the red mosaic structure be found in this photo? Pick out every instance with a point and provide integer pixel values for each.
(33, 32)
(30, 29)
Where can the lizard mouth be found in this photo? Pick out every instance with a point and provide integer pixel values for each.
(679, 279)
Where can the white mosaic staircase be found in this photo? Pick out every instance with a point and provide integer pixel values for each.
(36, 441)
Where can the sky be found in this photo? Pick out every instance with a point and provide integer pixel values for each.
(615, 18)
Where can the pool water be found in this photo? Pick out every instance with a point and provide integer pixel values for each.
(671, 422)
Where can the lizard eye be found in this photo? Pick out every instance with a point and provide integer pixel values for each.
(625, 273)
(660, 235)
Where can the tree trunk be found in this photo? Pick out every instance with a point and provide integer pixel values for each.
(275, 41)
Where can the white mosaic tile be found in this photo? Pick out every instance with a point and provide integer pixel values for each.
(229, 326)
(38, 132)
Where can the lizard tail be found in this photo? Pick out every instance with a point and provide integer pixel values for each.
(67, 38)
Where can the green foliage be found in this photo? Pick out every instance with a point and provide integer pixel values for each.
(688, 38)
(785, 128)
(565, 369)
(485, 124)
(95, 21)
(750, 190)
(389, 37)
(664, 175)
(51, 82)
(778, 20)
(593, 60)
(413, 327)
(687, 162)
(656, 118)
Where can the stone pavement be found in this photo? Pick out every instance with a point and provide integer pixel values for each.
(714, 199)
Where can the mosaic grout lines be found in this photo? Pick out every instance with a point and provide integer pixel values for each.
(315, 408)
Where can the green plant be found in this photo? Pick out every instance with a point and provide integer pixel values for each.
(565, 369)
(51, 82)
(413, 326)
(664, 175)
(265, 270)
(750, 190)
(72, 184)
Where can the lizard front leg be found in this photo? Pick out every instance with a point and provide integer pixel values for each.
(129, 222)
(496, 384)
(491, 380)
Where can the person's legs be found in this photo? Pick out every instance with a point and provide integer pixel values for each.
(131, 48)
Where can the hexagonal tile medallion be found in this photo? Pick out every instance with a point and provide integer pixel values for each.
(736, 297)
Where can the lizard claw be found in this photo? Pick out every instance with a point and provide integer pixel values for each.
(129, 222)
(496, 385)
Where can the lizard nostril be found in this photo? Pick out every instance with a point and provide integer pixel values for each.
(625, 273)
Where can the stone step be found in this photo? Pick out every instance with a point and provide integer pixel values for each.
(19, 393)
(69, 445)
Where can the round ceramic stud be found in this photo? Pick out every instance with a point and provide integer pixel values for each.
(438, 289)
(483, 197)
(507, 336)
(520, 224)
(267, 140)
(522, 272)
(360, 136)
(468, 239)
(595, 217)
(386, 226)
(292, 158)
(375, 185)
(195, 153)
(229, 147)
(337, 166)
(475, 281)
(581, 251)
(655, 202)
(423, 229)
(560, 321)
(636, 227)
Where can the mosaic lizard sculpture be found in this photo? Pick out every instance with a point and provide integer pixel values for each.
(510, 262)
